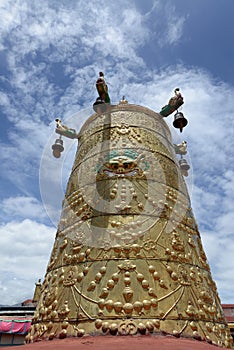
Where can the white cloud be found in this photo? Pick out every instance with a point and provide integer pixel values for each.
(175, 27)
(23, 207)
(219, 249)
(20, 158)
(25, 249)
(4, 100)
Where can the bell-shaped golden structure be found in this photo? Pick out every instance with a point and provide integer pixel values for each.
(128, 257)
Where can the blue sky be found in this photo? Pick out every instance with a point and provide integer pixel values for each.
(50, 56)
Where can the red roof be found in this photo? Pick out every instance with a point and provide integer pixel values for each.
(120, 343)
(27, 301)
(15, 326)
(228, 306)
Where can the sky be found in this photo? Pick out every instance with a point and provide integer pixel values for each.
(50, 54)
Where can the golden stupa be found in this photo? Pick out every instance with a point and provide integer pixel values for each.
(128, 257)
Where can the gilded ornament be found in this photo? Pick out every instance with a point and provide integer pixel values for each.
(54, 314)
(118, 306)
(196, 335)
(136, 248)
(145, 284)
(80, 332)
(110, 284)
(151, 269)
(71, 277)
(109, 305)
(156, 276)
(127, 328)
(127, 281)
(154, 302)
(103, 270)
(138, 305)
(64, 310)
(201, 314)
(128, 308)
(169, 269)
(156, 323)
(162, 284)
(176, 333)
(87, 252)
(149, 325)
(92, 286)
(51, 336)
(50, 296)
(146, 304)
(152, 293)
(127, 293)
(63, 334)
(64, 324)
(80, 276)
(193, 326)
(174, 276)
(98, 323)
(101, 303)
(113, 328)
(105, 327)
(190, 311)
(140, 277)
(209, 326)
(104, 293)
(82, 256)
(141, 328)
(98, 277)
(49, 309)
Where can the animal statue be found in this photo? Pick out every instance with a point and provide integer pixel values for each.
(65, 130)
(174, 103)
(59, 124)
(181, 148)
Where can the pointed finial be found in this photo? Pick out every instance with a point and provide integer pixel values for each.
(123, 101)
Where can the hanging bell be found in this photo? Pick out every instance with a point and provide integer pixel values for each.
(184, 166)
(57, 148)
(179, 121)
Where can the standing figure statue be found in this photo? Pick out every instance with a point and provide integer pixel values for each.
(102, 102)
(102, 88)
